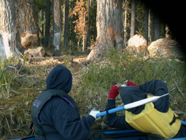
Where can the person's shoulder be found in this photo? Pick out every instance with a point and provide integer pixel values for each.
(56, 100)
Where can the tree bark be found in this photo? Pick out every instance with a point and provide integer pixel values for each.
(7, 28)
(42, 27)
(26, 23)
(146, 23)
(47, 26)
(157, 27)
(154, 26)
(66, 28)
(57, 27)
(84, 34)
(72, 27)
(167, 30)
(125, 22)
(87, 43)
(151, 26)
(109, 27)
(133, 16)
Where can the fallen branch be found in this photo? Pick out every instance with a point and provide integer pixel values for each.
(178, 87)
(3, 85)
(177, 84)
(13, 90)
(180, 112)
(10, 67)
(8, 126)
(20, 65)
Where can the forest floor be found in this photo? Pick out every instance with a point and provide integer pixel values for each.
(91, 84)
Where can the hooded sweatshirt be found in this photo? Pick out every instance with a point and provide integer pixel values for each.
(131, 94)
(58, 113)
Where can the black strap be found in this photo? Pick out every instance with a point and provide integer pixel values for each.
(31, 125)
(173, 120)
(45, 127)
(107, 111)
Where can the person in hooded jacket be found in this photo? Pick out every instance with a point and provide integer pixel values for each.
(55, 114)
(154, 118)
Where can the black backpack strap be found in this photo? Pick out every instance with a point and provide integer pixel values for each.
(49, 128)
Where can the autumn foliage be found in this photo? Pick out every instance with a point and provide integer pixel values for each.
(82, 13)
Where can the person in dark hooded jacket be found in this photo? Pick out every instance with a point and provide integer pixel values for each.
(55, 114)
(135, 118)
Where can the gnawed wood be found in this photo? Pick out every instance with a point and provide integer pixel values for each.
(165, 47)
(35, 52)
(109, 28)
(56, 27)
(28, 39)
(137, 43)
(25, 24)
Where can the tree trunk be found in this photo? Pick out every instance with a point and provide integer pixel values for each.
(72, 27)
(167, 34)
(42, 27)
(87, 43)
(146, 23)
(7, 28)
(47, 26)
(26, 23)
(56, 26)
(154, 26)
(66, 30)
(109, 27)
(84, 34)
(125, 22)
(151, 26)
(133, 16)
(157, 27)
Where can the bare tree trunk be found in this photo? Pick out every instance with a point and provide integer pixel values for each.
(133, 16)
(42, 27)
(146, 23)
(57, 27)
(66, 30)
(87, 43)
(109, 27)
(47, 26)
(151, 26)
(157, 27)
(26, 23)
(125, 22)
(7, 28)
(72, 26)
(84, 35)
(154, 26)
(167, 34)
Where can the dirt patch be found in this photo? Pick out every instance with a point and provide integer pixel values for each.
(43, 61)
(80, 59)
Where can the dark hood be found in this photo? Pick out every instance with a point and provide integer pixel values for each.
(59, 78)
(131, 94)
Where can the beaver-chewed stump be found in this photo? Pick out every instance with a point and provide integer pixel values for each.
(35, 52)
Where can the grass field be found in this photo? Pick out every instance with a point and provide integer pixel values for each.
(20, 84)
